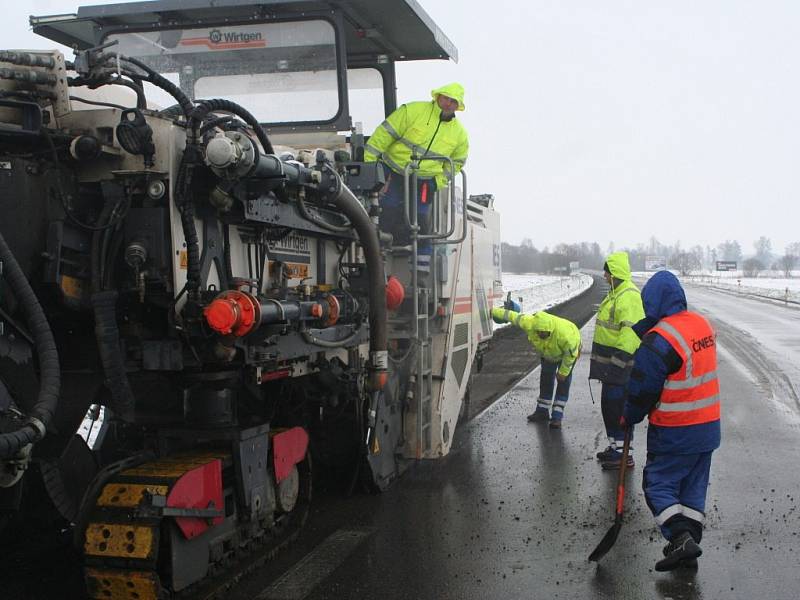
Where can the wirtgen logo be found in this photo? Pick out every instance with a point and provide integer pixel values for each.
(234, 37)
(227, 40)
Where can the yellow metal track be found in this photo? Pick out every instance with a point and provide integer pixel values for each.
(121, 546)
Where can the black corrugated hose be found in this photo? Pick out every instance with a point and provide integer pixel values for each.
(208, 106)
(49, 368)
(106, 332)
(165, 84)
(185, 204)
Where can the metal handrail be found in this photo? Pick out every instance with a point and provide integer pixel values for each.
(451, 185)
(411, 166)
(464, 219)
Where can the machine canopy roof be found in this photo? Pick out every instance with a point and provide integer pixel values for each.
(397, 29)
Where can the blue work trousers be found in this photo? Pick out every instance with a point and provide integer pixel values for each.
(612, 401)
(393, 221)
(675, 489)
(549, 383)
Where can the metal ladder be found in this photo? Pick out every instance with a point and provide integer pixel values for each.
(426, 297)
(423, 392)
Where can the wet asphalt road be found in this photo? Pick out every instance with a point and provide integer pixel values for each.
(515, 509)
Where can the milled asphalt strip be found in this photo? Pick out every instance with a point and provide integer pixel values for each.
(299, 581)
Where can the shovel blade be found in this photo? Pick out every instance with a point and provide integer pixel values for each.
(606, 543)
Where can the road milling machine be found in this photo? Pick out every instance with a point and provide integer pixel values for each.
(198, 299)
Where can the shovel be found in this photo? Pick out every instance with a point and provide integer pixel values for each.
(611, 536)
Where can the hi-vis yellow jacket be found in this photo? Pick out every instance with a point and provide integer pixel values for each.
(415, 130)
(614, 339)
(563, 344)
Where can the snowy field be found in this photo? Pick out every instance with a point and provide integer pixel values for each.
(540, 292)
(771, 285)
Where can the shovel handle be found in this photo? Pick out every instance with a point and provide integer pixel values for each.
(623, 465)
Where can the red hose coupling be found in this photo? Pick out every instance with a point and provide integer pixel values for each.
(378, 380)
(233, 312)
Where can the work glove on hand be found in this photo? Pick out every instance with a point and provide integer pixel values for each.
(511, 305)
(499, 316)
(622, 422)
(561, 378)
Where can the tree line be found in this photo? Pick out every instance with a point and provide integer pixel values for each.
(526, 258)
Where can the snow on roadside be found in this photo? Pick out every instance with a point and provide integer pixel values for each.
(540, 292)
(776, 288)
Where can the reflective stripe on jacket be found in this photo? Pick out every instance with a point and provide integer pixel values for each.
(415, 130)
(690, 395)
(614, 339)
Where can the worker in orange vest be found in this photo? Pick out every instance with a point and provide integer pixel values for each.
(674, 382)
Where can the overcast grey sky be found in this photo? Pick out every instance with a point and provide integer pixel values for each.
(615, 120)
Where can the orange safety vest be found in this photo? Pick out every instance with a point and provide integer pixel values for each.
(691, 395)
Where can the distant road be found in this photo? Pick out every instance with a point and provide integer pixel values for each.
(762, 337)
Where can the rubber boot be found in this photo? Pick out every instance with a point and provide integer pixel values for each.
(606, 454)
(613, 462)
(682, 551)
(540, 415)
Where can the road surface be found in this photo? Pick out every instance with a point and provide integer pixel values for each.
(515, 509)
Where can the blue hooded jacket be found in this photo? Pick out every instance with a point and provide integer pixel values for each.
(654, 360)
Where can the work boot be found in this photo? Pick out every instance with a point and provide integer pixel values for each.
(612, 463)
(689, 563)
(606, 454)
(683, 551)
(555, 420)
(540, 415)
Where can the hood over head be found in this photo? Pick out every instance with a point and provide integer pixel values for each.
(662, 296)
(543, 321)
(451, 90)
(618, 265)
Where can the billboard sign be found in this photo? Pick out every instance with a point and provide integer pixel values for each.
(655, 263)
(726, 265)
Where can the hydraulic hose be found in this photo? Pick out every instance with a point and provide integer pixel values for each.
(50, 371)
(346, 201)
(308, 216)
(310, 339)
(207, 106)
(107, 335)
(165, 84)
(185, 204)
(105, 319)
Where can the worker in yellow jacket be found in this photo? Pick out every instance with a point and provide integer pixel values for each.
(613, 346)
(422, 132)
(558, 341)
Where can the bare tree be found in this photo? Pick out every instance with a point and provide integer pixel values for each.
(793, 249)
(730, 250)
(699, 255)
(685, 262)
(763, 248)
(786, 264)
(752, 267)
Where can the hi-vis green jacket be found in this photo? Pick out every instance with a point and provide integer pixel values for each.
(415, 129)
(563, 344)
(614, 339)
